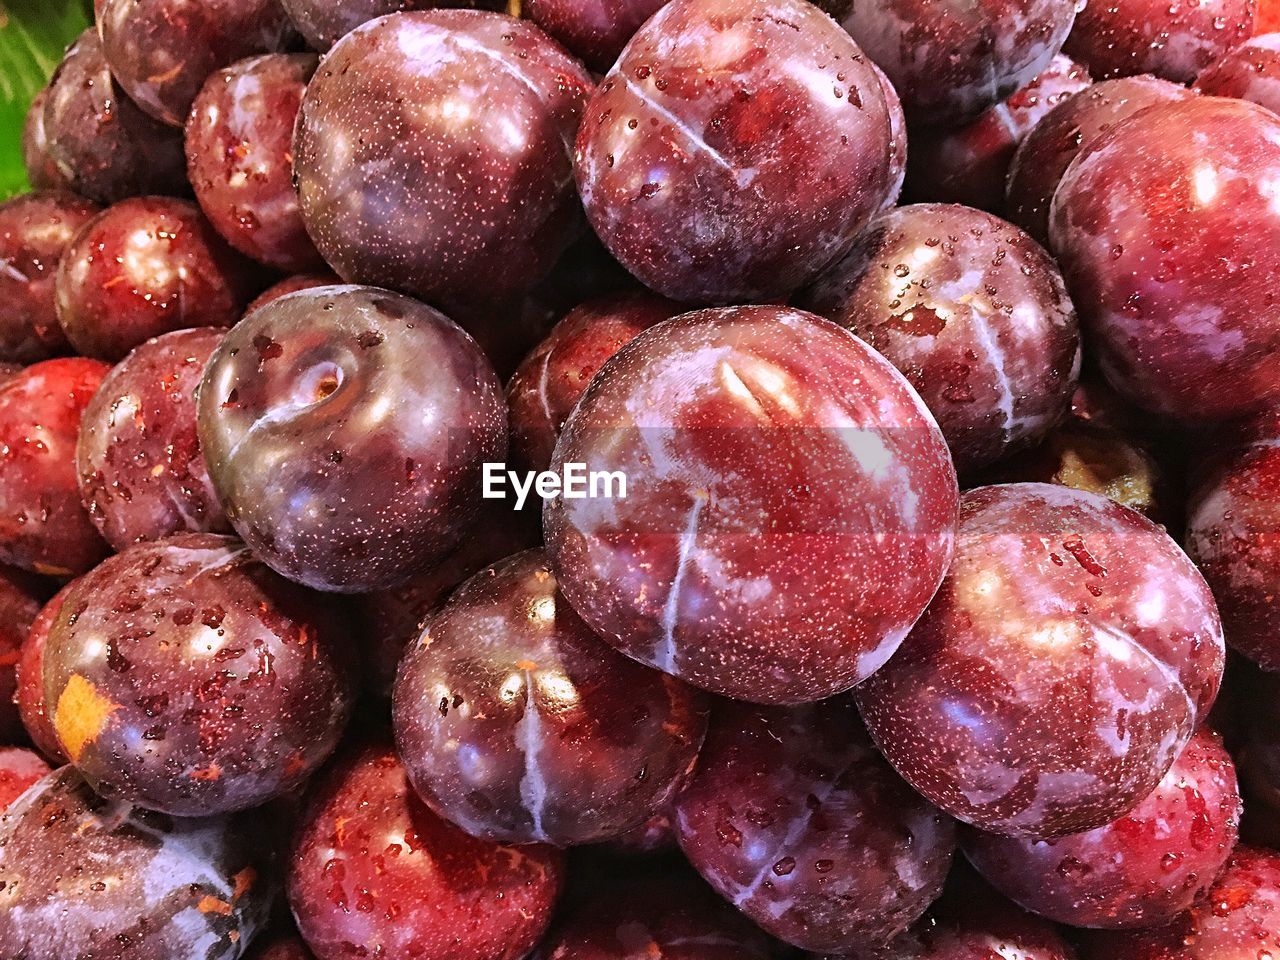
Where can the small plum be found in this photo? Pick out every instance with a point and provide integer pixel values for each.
(299, 281)
(30, 675)
(594, 30)
(42, 171)
(324, 22)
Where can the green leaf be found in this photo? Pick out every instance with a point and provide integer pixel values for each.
(33, 35)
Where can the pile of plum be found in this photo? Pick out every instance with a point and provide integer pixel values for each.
(937, 342)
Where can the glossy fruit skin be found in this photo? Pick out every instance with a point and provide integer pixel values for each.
(975, 315)
(185, 676)
(1085, 641)
(795, 819)
(21, 596)
(35, 229)
(970, 164)
(518, 724)
(1250, 72)
(376, 412)
(951, 59)
(374, 869)
(670, 915)
(29, 695)
(239, 143)
(1064, 133)
(673, 574)
(548, 384)
(1175, 41)
(593, 30)
(1140, 871)
(143, 267)
(104, 147)
(43, 526)
(1239, 920)
(1177, 332)
(161, 51)
(42, 172)
(897, 139)
(690, 151)
(81, 876)
(424, 197)
(19, 769)
(141, 472)
(324, 22)
(299, 281)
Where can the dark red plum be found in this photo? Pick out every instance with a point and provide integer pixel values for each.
(548, 384)
(161, 51)
(299, 281)
(42, 172)
(344, 429)
(185, 676)
(82, 876)
(975, 315)
(795, 819)
(21, 596)
(286, 946)
(453, 183)
(593, 30)
(30, 676)
(104, 147)
(240, 158)
(951, 59)
(147, 266)
(1173, 39)
(1062, 667)
(790, 506)
(668, 916)
(1177, 332)
(1239, 920)
(518, 724)
(142, 475)
(691, 152)
(1249, 72)
(970, 164)
(897, 139)
(374, 870)
(1064, 133)
(324, 22)
(395, 618)
(1140, 871)
(19, 769)
(43, 526)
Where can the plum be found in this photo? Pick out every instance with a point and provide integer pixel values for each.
(324, 22)
(21, 597)
(42, 172)
(897, 140)
(1250, 72)
(975, 315)
(185, 676)
(372, 414)
(141, 472)
(30, 680)
(594, 30)
(1062, 667)
(735, 148)
(19, 769)
(518, 724)
(292, 284)
(790, 508)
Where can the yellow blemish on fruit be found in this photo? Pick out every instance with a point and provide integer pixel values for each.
(211, 904)
(80, 716)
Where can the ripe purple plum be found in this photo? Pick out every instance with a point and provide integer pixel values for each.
(185, 676)
(374, 413)
(790, 509)
(593, 30)
(21, 596)
(42, 172)
(29, 695)
(897, 141)
(692, 151)
(1068, 657)
(324, 22)
(975, 315)
(1250, 72)
(299, 281)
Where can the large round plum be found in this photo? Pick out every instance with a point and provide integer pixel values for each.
(374, 870)
(185, 676)
(104, 147)
(29, 695)
(1250, 72)
(1070, 653)
(240, 158)
(794, 818)
(1064, 133)
(518, 724)
(161, 51)
(84, 877)
(433, 154)
(790, 506)
(1143, 869)
(548, 384)
(324, 22)
(1178, 332)
(735, 148)
(344, 428)
(42, 172)
(43, 526)
(141, 472)
(21, 594)
(35, 229)
(1173, 39)
(144, 267)
(595, 30)
(973, 312)
(951, 59)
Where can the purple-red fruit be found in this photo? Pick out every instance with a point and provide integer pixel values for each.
(42, 172)
(30, 676)
(1065, 662)
(324, 22)
(594, 30)
(299, 281)
(734, 149)
(19, 769)
(1250, 72)
(21, 594)
(897, 140)
(790, 504)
